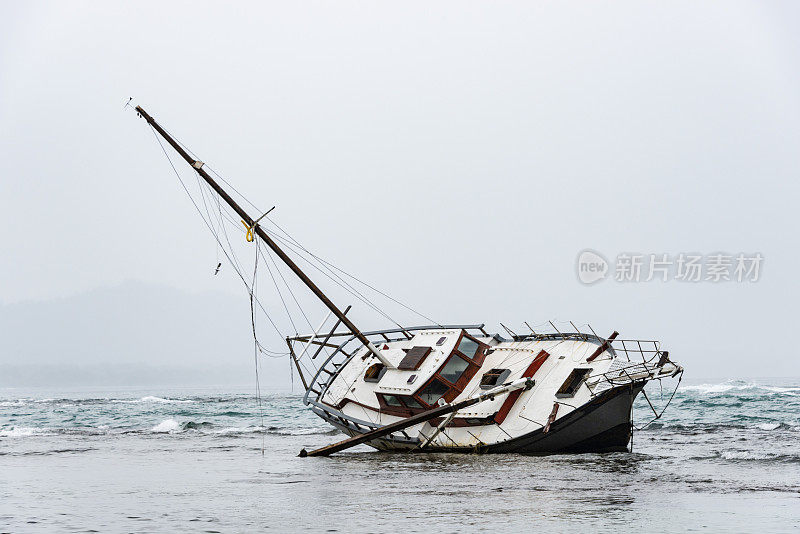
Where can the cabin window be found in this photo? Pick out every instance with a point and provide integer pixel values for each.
(391, 400)
(572, 383)
(451, 378)
(468, 347)
(453, 369)
(411, 402)
(494, 377)
(374, 372)
(435, 391)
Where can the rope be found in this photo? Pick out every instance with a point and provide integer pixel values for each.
(256, 349)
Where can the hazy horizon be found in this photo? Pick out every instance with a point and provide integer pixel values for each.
(458, 156)
(193, 340)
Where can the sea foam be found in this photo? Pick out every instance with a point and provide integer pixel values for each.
(734, 386)
(152, 399)
(20, 431)
(167, 426)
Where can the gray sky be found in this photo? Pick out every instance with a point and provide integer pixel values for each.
(457, 155)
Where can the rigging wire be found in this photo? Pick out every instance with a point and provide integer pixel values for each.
(332, 276)
(326, 269)
(343, 284)
(658, 415)
(238, 264)
(216, 237)
(216, 220)
(331, 265)
(299, 245)
(215, 173)
(328, 273)
(256, 350)
(289, 288)
(280, 294)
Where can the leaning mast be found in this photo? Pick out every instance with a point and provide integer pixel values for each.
(252, 223)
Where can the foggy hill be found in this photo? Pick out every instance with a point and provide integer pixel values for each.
(133, 333)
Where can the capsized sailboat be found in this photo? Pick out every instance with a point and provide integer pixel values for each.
(457, 387)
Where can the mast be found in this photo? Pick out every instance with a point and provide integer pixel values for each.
(198, 166)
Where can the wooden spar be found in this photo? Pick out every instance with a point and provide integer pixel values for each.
(296, 363)
(198, 166)
(416, 419)
(388, 429)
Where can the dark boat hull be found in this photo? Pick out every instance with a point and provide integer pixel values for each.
(601, 425)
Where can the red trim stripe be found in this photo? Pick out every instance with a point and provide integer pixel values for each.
(537, 362)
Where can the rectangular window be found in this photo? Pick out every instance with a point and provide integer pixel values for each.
(454, 368)
(572, 383)
(411, 402)
(468, 347)
(391, 400)
(433, 392)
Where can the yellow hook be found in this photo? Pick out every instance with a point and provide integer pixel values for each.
(249, 235)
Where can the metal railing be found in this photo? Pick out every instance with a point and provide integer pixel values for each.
(342, 353)
(647, 360)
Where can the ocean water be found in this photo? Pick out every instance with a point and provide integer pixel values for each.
(725, 457)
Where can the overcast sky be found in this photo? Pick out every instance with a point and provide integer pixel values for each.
(457, 155)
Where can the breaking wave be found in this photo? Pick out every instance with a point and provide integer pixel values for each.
(21, 431)
(8, 404)
(166, 426)
(733, 408)
(152, 399)
(711, 428)
(738, 386)
(757, 456)
(149, 399)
